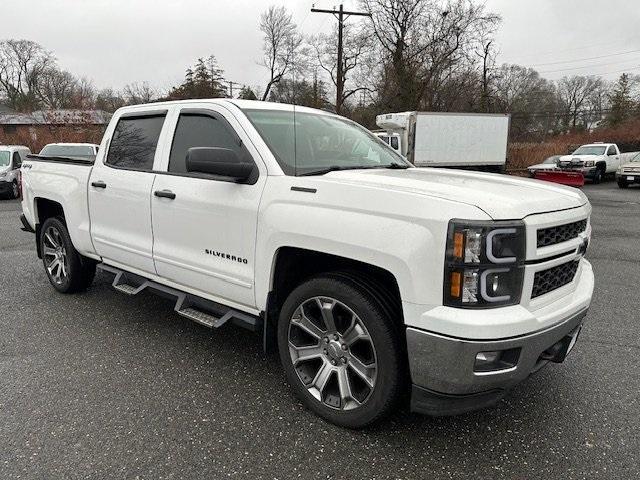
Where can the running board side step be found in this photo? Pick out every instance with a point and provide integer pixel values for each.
(205, 312)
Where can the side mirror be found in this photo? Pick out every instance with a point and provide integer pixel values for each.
(218, 161)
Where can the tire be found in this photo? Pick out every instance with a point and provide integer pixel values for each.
(15, 190)
(598, 176)
(365, 340)
(73, 272)
(622, 184)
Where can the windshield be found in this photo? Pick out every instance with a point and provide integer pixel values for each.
(79, 151)
(5, 158)
(636, 158)
(590, 150)
(320, 143)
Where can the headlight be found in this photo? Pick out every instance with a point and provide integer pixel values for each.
(589, 163)
(484, 265)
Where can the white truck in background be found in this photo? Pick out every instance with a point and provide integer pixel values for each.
(595, 160)
(473, 141)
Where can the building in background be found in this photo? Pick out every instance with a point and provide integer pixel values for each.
(38, 128)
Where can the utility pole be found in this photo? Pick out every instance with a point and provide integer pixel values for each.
(341, 15)
(231, 84)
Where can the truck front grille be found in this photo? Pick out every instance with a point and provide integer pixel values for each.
(553, 278)
(560, 233)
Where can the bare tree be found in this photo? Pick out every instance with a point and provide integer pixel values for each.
(56, 88)
(22, 65)
(426, 43)
(282, 43)
(575, 93)
(137, 93)
(358, 46)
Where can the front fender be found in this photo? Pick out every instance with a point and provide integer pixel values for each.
(402, 233)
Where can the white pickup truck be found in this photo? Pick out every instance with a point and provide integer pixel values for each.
(595, 160)
(373, 278)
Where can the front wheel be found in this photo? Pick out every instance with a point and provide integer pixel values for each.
(598, 176)
(15, 190)
(68, 271)
(622, 184)
(340, 351)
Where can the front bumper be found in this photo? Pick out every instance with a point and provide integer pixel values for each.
(442, 359)
(629, 177)
(442, 368)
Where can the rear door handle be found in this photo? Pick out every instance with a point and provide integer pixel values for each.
(99, 184)
(165, 194)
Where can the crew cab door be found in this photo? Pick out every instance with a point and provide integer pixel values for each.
(204, 227)
(120, 192)
(613, 159)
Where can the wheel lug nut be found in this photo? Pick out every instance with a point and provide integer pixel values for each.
(344, 360)
(333, 362)
(324, 351)
(344, 346)
(335, 336)
(326, 339)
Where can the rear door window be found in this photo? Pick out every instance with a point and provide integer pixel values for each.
(202, 130)
(134, 142)
(394, 143)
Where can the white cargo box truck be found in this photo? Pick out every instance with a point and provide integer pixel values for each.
(466, 140)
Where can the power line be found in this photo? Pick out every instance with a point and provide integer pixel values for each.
(582, 67)
(582, 59)
(584, 47)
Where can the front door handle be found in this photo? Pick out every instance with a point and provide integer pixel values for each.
(99, 184)
(165, 194)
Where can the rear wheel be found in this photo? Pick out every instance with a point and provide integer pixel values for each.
(340, 351)
(68, 271)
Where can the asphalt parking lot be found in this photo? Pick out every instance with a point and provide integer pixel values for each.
(103, 385)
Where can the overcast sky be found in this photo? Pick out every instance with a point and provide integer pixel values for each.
(117, 42)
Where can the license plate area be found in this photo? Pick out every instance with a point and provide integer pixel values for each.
(559, 350)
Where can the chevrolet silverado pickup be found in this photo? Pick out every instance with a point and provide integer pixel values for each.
(375, 281)
(595, 161)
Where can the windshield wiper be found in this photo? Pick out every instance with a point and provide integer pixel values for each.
(396, 166)
(336, 168)
(333, 168)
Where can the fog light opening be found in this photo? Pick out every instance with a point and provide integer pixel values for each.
(496, 360)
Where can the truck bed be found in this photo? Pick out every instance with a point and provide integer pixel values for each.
(63, 180)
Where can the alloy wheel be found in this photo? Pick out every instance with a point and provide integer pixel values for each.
(55, 255)
(332, 353)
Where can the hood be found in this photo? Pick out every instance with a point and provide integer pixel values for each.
(502, 197)
(582, 158)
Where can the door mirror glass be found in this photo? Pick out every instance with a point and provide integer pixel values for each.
(218, 161)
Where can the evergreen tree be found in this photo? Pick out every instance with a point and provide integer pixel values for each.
(622, 104)
(204, 80)
(247, 94)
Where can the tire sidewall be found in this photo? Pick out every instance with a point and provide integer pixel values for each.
(384, 338)
(72, 259)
